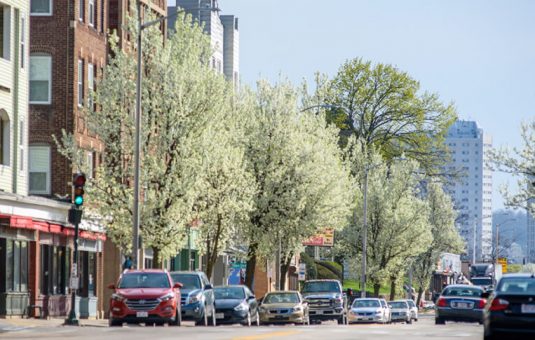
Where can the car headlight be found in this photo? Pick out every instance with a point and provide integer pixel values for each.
(297, 309)
(378, 311)
(262, 309)
(241, 306)
(195, 298)
(167, 297)
(118, 297)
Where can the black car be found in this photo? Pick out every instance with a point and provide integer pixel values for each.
(511, 308)
(236, 304)
(460, 303)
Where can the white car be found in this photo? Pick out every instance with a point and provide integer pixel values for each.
(414, 310)
(368, 310)
(388, 311)
(400, 311)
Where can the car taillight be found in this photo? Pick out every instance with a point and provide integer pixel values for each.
(481, 304)
(442, 302)
(498, 305)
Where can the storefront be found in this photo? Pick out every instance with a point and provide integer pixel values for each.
(36, 248)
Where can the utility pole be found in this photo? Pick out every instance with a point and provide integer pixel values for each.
(364, 235)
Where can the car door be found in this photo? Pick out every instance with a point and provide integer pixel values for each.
(251, 300)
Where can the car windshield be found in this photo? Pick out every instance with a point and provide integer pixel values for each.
(411, 303)
(399, 304)
(517, 285)
(144, 280)
(189, 281)
(321, 286)
(229, 293)
(482, 281)
(281, 298)
(462, 291)
(366, 304)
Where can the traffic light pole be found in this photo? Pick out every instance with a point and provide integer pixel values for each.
(71, 319)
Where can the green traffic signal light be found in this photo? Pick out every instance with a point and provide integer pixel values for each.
(78, 184)
(78, 200)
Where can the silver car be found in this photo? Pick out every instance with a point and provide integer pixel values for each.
(413, 309)
(368, 310)
(400, 311)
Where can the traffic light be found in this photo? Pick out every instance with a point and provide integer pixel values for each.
(78, 182)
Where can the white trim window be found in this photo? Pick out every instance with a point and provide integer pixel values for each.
(40, 79)
(21, 146)
(91, 10)
(80, 82)
(81, 10)
(5, 31)
(90, 85)
(41, 7)
(22, 41)
(39, 170)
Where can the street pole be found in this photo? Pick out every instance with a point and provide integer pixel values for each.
(474, 243)
(71, 319)
(364, 235)
(135, 231)
(189, 247)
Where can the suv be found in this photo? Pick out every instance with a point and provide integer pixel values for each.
(325, 300)
(145, 296)
(197, 300)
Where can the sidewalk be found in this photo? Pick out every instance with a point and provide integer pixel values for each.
(16, 324)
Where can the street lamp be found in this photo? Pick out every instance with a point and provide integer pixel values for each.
(497, 245)
(135, 211)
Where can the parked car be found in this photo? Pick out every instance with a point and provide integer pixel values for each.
(388, 310)
(236, 304)
(427, 305)
(460, 303)
(284, 307)
(484, 282)
(325, 299)
(197, 300)
(145, 296)
(413, 309)
(511, 308)
(400, 311)
(368, 310)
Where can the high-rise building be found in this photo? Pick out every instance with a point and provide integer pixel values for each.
(472, 191)
(223, 32)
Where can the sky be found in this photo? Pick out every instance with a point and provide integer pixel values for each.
(478, 54)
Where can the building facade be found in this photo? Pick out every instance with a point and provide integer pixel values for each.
(223, 32)
(531, 231)
(472, 192)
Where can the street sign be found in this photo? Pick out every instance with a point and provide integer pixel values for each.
(302, 272)
(74, 282)
(238, 265)
(503, 262)
(325, 238)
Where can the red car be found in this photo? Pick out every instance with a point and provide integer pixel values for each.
(145, 296)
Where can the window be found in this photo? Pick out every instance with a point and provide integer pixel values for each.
(54, 269)
(102, 15)
(90, 164)
(14, 257)
(91, 10)
(87, 267)
(22, 41)
(81, 11)
(5, 31)
(4, 138)
(90, 84)
(21, 146)
(39, 169)
(80, 82)
(41, 7)
(40, 79)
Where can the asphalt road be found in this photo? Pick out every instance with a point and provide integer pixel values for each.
(423, 329)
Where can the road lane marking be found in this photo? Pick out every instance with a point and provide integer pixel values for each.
(267, 335)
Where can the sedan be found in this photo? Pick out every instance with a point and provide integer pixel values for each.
(511, 308)
(460, 303)
(400, 311)
(236, 304)
(414, 309)
(367, 310)
(284, 307)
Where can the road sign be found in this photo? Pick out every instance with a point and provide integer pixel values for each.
(302, 271)
(503, 262)
(74, 282)
(238, 265)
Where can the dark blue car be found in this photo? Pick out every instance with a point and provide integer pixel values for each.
(236, 304)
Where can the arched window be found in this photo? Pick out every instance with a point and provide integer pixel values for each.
(4, 137)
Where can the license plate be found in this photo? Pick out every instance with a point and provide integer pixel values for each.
(528, 309)
(142, 314)
(462, 305)
(219, 315)
(280, 317)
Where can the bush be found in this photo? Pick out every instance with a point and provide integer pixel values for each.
(312, 270)
(325, 273)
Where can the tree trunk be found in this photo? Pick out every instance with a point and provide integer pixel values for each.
(211, 255)
(419, 299)
(156, 258)
(376, 289)
(251, 266)
(392, 288)
(285, 266)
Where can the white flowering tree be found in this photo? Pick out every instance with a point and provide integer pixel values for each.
(300, 179)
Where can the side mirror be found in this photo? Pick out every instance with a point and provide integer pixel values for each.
(208, 287)
(305, 303)
(252, 297)
(111, 286)
(178, 285)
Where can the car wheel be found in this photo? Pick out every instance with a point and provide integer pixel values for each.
(409, 321)
(114, 323)
(340, 320)
(203, 321)
(147, 324)
(177, 321)
(440, 321)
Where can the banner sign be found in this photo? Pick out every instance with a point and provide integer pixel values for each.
(324, 238)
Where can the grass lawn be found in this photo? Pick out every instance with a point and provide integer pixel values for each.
(369, 288)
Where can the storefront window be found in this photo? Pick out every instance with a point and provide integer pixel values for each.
(88, 273)
(16, 264)
(53, 270)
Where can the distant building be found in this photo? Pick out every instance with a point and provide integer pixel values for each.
(531, 233)
(472, 193)
(223, 32)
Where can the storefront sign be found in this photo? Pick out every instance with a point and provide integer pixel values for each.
(302, 271)
(322, 239)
